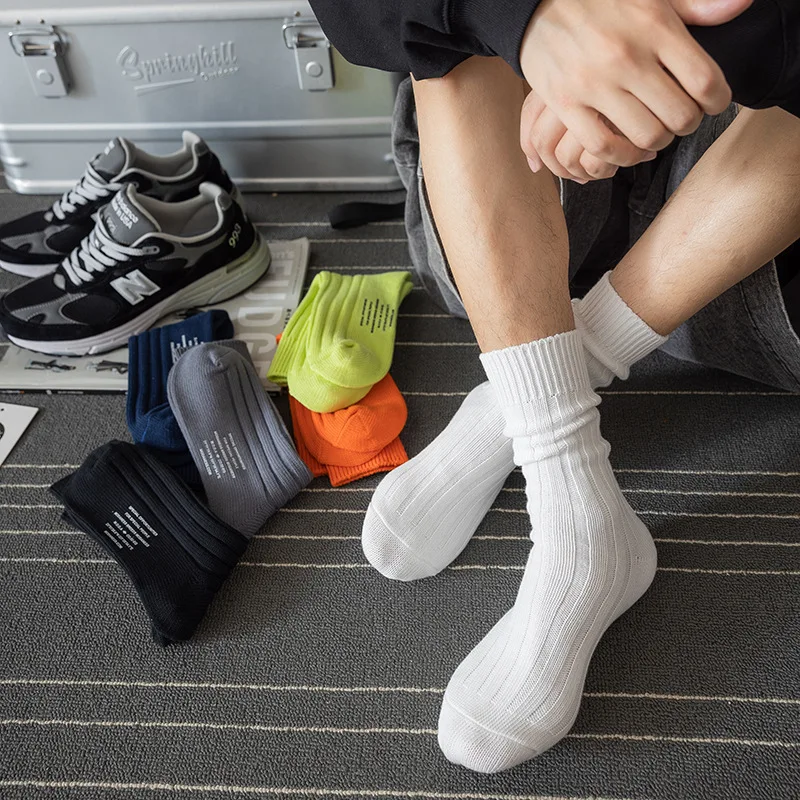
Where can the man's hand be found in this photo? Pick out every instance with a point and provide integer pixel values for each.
(615, 80)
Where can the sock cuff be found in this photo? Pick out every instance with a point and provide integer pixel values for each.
(393, 455)
(543, 368)
(292, 344)
(355, 434)
(612, 332)
(119, 474)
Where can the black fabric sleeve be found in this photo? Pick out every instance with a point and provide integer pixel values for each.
(759, 51)
(425, 37)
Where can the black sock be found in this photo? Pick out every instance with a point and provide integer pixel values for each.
(175, 551)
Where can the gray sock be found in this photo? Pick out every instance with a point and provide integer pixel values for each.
(244, 453)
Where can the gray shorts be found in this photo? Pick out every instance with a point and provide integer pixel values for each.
(745, 331)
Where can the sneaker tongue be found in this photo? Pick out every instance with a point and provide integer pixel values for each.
(114, 159)
(126, 219)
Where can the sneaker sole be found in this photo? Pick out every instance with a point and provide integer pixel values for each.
(217, 286)
(29, 270)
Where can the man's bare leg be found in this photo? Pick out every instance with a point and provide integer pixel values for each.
(467, 736)
(738, 208)
(505, 236)
(502, 227)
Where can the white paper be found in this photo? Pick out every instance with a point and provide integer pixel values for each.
(14, 420)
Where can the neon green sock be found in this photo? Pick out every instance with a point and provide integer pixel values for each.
(343, 340)
(292, 346)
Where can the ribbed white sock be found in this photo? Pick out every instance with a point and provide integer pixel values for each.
(518, 694)
(423, 514)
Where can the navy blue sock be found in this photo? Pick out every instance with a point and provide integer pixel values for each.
(150, 357)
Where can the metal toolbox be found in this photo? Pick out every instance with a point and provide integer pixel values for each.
(258, 80)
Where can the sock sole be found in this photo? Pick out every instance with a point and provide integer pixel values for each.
(217, 286)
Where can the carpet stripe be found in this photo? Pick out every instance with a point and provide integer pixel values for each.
(685, 739)
(422, 794)
(698, 493)
(720, 543)
(480, 538)
(509, 490)
(270, 687)
(365, 566)
(720, 472)
(39, 466)
(40, 533)
(433, 344)
(331, 730)
(620, 470)
(602, 393)
(218, 726)
(691, 514)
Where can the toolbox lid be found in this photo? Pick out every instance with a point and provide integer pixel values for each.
(103, 12)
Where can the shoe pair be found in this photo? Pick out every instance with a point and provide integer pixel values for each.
(137, 237)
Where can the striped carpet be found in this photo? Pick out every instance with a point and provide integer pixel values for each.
(313, 677)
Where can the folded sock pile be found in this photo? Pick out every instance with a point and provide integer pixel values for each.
(247, 462)
(174, 550)
(151, 356)
(196, 402)
(340, 341)
(198, 411)
(356, 441)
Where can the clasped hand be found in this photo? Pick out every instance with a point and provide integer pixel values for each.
(614, 81)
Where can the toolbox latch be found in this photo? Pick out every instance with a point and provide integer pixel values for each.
(41, 48)
(312, 53)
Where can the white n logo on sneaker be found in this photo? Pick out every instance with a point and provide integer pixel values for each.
(135, 286)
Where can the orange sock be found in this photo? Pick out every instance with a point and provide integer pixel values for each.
(356, 441)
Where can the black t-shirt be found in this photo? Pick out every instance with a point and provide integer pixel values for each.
(759, 51)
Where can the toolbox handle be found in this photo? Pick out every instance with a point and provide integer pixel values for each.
(312, 53)
(54, 47)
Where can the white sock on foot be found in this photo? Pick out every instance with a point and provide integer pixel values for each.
(423, 514)
(614, 338)
(518, 693)
(417, 518)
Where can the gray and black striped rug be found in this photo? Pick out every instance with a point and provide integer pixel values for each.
(314, 677)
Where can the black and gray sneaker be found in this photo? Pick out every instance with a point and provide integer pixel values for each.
(144, 259)
(35, 244)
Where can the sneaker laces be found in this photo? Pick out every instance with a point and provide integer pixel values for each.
(92, 186)
(97, 253)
